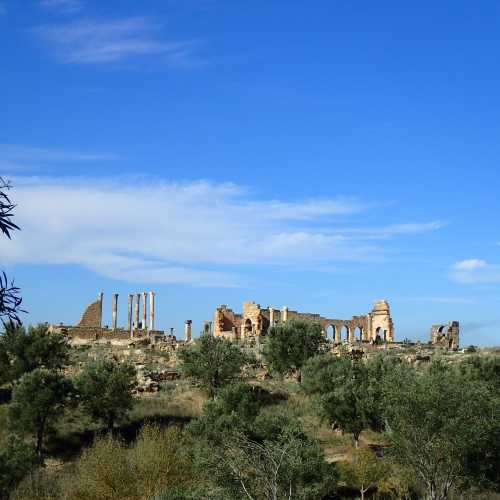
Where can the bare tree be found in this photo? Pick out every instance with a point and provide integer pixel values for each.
(10, 300)
(261, 469)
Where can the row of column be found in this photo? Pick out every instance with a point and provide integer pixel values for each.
(284, 315)
(134, 306)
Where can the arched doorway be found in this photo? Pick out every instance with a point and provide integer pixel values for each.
(330, 332)
(344, 333)
(248, 327)
(380, 335)
(358, 334)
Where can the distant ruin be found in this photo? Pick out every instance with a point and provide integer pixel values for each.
(255, 321)
(447, 335)
(90, 325)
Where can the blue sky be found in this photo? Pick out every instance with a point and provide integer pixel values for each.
(317, 155)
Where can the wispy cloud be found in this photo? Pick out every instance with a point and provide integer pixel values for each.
(62, 6)
(475, 271)
(3, 9)
(99, 42)
(153, 231)
(29, 153)
(390, 231)
(21, 158)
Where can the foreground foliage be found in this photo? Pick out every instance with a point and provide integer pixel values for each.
(38, 402)
(22, 351)
(289, 345)
(213, 362)
(439, 423)
(105, 390)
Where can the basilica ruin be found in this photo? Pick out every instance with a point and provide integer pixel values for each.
(255, 321)
(446, 336)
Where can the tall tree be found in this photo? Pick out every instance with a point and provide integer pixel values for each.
(22, 351)
(345, 393)
(38, 402)
(105, 390)
(10, 300)
(438, 420)
(214, 362)
(289, 345)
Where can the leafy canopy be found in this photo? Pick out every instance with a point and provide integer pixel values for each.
(214, 362)
(444, 427)
(23, 351)
(345, 391)
(289, 345)
(105, 390)
(38, 401)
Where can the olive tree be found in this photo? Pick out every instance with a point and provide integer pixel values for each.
(213, 362)
(105, 390)
(437, 421)
(38, 401)
(289, 345)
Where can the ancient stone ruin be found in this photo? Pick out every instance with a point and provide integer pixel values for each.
(90, 325)
(446, 335)
(255, 321)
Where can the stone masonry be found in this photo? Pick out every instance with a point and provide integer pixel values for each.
(255, 321)
(447, 335)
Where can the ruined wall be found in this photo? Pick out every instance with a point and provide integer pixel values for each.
(256, 321)
(447, 335)
(381, 325)
(92, 316)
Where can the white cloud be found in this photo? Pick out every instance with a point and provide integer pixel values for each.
(17, 152)
(195, 233)
(475, 271)
(98, 42)
(62, 6)
(395, 230)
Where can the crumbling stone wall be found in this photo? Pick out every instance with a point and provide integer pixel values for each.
(256, 321)
(92, 316)
(447, 335)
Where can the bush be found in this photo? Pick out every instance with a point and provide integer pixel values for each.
(160, 460)
(103, 472)
(17, 459)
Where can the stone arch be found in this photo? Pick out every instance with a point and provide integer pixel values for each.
(358, 333)
(345, 333)
(247, 327)
(380, 334)
(330, 332)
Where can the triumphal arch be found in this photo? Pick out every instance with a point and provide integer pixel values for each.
(254, 322)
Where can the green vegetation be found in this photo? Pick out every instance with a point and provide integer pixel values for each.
(38, 402)
(289, 345)
(347, 393)
(213, 362)
(23, 351)
(105, 390)
(225, 431)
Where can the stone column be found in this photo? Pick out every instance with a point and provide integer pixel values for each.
(271, 317)
(100, 296)
(129, 314)
(284, 314)
(151, 311)
(338, 334)
(136, 310)
(187, 330)
(114, 311)
(350, 335)
(144, 318)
